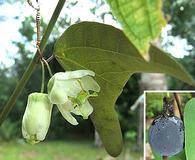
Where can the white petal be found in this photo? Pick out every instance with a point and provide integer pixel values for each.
(76, 111)
(85, 110)
(73, 74)
(71, 87)
(24, 132)
(59, 90)
(56, 91)
(67, 106)
(42, 132)
(67, 115)
(90, 84)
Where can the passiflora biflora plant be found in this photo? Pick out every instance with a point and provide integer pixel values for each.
(98, 60)
(70, 92)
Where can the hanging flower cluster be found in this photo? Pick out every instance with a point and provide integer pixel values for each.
(70, 92)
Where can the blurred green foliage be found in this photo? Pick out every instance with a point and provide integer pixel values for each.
(9, 130)
(77, 149)
(179, 156)
(180, 14)
(154, 102)
(131, 135)
(52, 150)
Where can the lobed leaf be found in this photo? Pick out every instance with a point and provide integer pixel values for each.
(106, 51)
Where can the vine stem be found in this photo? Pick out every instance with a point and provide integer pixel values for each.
(25, 77)
(176, 96)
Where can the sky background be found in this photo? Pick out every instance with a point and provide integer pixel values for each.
(15, 14)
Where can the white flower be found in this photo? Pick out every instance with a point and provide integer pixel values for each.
(36, 119)
(65, 110)
(70, 91)
(84, 110)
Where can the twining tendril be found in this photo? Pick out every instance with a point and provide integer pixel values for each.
(38, 21)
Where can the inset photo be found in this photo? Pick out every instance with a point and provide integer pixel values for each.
(169, 125)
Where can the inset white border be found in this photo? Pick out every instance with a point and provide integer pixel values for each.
(157, 91)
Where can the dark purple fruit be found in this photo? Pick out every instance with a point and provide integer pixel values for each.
(166, 135)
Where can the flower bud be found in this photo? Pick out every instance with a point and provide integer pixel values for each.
(36, 119)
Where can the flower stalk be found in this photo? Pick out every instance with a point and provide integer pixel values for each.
(48, 67)
(43, 77)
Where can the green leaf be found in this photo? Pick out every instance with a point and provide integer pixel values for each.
(142, 20)
(106, 51)
(189, 124)
(157, 156)
(179, 156)
(162, 62)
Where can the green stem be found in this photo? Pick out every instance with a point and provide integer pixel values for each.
(43, 77)
(25, 77)
(48, 68)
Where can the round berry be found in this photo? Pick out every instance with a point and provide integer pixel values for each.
(166, 135)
